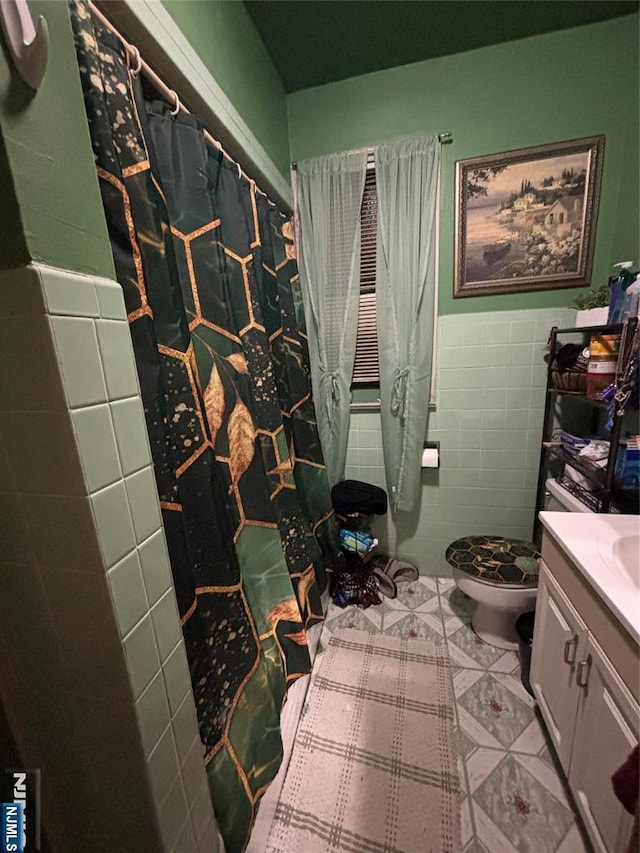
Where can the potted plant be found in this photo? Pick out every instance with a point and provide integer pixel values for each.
(593, 307)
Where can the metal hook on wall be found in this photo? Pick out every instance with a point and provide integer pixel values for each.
(28, 43)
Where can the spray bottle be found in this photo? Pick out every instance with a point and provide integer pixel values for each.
(619, 285)
(631, 301)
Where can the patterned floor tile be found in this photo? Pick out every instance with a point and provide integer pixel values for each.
(508, 663)
(467, 831)
(464, 678)
(488, 836)
(475, 846)
(480, 763)
(455, 603)
(573, 842)
(468, 649)
(492, 702)
(353, 617)
(418, 595)
(413, 625)
(547, 777)
(521, 809)
(547, 754)
(465, 744)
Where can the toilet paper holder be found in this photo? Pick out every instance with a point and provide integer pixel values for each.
(430, 454)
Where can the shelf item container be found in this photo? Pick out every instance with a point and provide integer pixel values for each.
(603, 360)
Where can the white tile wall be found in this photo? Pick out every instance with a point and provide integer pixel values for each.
(176, 676)
(96, 443)
(113, 521)
(490, 402)
(128, 592)
(141, 652)
(153, 713)
(117, 359)
(156, 570)
(88, 615)
(110, 299)
(131, 434)
(166, 626)
(76, 345)
(143, 503)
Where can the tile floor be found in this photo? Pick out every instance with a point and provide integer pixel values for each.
(513, 800)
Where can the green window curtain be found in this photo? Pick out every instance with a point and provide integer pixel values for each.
(329, 196)
(406, 180)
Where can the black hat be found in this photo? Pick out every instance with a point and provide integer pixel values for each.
(352, 496)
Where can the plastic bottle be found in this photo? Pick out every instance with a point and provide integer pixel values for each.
(603, 358)
(631, 300)
(619, 285)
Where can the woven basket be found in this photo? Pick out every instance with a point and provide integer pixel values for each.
(570, 381)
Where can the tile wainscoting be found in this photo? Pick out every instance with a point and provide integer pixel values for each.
(93, 670)
(490, 403)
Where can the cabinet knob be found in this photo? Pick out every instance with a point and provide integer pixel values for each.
(584, 668)
(570, 650)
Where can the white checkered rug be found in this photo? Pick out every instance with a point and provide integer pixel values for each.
(373, 768)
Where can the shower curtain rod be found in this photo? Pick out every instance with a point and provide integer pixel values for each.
(141, 67)
(443, 138)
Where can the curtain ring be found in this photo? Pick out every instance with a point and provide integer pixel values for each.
(138, 60)
(239, 172)
(176, 109)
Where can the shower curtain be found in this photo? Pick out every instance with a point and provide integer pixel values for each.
(208, 271)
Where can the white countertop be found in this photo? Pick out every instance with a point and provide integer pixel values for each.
(590, 542)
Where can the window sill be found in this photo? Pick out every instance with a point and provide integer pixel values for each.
(374, 406)
(365, 406)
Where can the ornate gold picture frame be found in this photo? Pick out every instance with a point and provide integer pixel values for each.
(526, 219)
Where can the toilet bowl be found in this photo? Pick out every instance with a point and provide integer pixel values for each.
(497, 609)
(501, 575)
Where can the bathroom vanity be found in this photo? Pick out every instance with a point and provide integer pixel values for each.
(585, 670)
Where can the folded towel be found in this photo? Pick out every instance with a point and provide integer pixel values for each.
(626, 782)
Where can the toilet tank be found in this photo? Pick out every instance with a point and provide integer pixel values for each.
(558, 499)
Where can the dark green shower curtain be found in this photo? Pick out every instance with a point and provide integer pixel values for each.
(210, 281)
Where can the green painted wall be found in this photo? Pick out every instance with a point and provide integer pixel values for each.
(51, 209)
(226, 40)
(564, 85)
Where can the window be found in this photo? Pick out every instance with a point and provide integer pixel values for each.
(366, 371)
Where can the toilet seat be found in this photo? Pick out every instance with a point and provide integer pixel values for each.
(497, 560)
(501, 576)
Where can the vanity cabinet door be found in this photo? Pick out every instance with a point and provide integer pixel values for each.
(607, 730)
(559, 642)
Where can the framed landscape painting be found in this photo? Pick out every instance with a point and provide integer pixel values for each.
(525, 219)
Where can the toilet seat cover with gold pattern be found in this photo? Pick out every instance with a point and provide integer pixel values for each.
(495, 559)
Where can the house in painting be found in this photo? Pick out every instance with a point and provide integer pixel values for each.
(564, 214)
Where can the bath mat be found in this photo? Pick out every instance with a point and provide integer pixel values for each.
(374, 767)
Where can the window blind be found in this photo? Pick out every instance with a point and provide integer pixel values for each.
(366, 371)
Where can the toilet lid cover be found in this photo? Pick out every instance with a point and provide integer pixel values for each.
(495, 559)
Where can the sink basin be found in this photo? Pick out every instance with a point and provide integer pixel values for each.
(626, 551)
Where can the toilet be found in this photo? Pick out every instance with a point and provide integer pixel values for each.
(501, 575)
